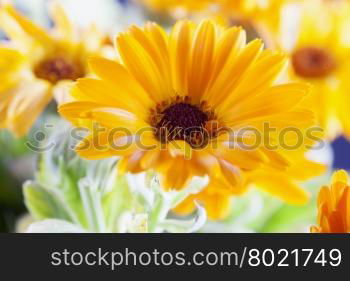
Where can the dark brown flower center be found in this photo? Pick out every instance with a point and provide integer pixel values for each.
(58, 68)
(181, 120)
(313, 62)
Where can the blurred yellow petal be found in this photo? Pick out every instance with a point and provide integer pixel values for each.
(24, 108)
(282, 188)
(31, 29)
(62, 21)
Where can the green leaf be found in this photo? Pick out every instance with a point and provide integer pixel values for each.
(69, 188)
(41, 203)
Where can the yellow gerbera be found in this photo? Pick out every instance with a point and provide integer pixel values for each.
(36, 66)
(321, 56)
(334, 206)
(183, 101)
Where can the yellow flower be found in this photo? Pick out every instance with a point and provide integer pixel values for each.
(169, 6)
(236, 7)
(253, 8)
(334, 206)
(265, 16)
(321, 56)
(262, 17)
(184, 101)
(36, 65)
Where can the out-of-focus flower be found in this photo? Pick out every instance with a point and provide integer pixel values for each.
(184, 100)
(175, 6)
(260, 17)
(334, 206)
(266, 16)
(321, 57)
(36, 65)
(237, 8)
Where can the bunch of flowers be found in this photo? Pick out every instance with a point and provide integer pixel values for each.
(168, 126)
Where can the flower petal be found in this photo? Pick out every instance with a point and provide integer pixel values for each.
(202, 59)
(25, 107)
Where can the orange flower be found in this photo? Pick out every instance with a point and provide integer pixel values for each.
(173, 92)
(334, 206)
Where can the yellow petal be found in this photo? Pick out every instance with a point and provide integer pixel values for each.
(142, 67)
(282, 187)
(31, 29)
(340, 176)
(281, 99)
(179, 45)
(154, 41)
(202, 59)
(11, 62)
(117, 119)
(95, 147)
(218, 207)
(178, 174)
(77, 109)
(115, 74)
(25, 107)
(228, 49)
(150, 159)
(277, 159)
(62, 23)
(19, 38)
(131, 163)
(180, 148)
(232, 174)
(232, 72)
(236, 154)
(260, 77)
(107, 94)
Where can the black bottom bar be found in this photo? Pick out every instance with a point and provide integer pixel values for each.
(219, 255)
